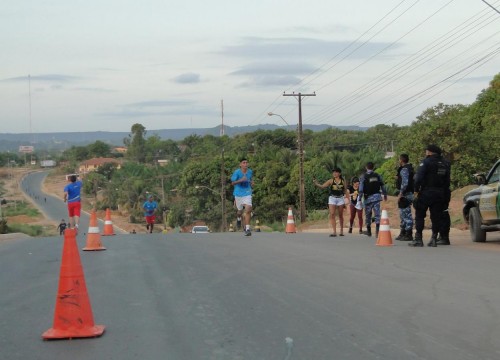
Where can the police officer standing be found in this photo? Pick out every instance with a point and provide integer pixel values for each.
(372, 188)
(404, 184)
(432, 183)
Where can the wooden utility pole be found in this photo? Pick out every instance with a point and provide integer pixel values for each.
(223, 175)
(302, 193)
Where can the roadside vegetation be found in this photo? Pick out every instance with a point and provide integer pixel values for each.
(196, 171)
(18, 216)
(17, 208)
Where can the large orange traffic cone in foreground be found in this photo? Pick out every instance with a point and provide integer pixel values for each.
(93, 236)
(290, 224)
(384, 233)
(73, 314)
(108, 224)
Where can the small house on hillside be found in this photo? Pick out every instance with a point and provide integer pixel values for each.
(96, 163)
(119, 150)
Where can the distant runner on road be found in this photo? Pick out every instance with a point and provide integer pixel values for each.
(72, 197)
(150, 207)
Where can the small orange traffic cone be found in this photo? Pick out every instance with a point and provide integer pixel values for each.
(73, 314)
(93, 236)
(290, 224)
(384, 234)
(108, 224)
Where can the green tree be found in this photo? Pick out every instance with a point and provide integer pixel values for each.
(107, 170)
(93, 183)
(136, 143)
(76, 153)
(99, 149)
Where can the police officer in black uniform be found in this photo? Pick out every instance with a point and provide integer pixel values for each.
(432, 183)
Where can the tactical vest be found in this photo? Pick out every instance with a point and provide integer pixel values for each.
(337, 189)
(410, 188)
(437, 173)
(371, 184)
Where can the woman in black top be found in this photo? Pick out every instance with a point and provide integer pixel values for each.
(353, 190)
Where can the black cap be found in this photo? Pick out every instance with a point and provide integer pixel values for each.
(433, 149)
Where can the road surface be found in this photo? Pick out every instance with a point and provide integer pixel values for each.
(269, 296)
(225, 296)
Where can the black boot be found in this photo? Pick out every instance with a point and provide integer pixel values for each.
(433, 241)
(443, 240)
(377, 228)
(417, 241)
(401, 235)
(408, 235)
(368, 231)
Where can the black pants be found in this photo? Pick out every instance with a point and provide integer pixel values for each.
(445, 224)
(435, 202)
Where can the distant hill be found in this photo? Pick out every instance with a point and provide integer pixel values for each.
(64, 140)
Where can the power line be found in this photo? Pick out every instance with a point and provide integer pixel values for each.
(339, 53)
(491, 6)
(477, 63)
(404, 67)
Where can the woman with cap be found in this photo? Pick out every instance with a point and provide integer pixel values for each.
(336, 200)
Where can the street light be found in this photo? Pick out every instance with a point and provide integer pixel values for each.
(300, 140)
(223, 222)
(273, 114)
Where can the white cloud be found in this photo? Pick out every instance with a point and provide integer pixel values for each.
(94, 65)
(187, 78)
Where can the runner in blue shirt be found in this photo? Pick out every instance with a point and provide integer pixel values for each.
(242, 180)
(72, 197)
(150, 207)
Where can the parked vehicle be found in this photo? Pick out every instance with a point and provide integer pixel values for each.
(482, 205)
(200, 229)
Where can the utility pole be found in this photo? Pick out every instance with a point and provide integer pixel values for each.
(223, 174)
(302, 193)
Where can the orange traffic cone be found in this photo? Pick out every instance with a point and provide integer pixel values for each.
(384, 233)
(93, 236)
(73, 314)
(108, 224)
(290, 224)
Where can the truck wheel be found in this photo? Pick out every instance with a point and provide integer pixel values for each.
(476, 233)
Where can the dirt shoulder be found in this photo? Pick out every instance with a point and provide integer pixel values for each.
(11, 178)
(393, 212)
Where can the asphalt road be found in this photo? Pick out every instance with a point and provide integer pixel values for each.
(226, 296)
(269, 296)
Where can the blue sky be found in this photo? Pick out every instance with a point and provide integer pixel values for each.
(105, 65)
